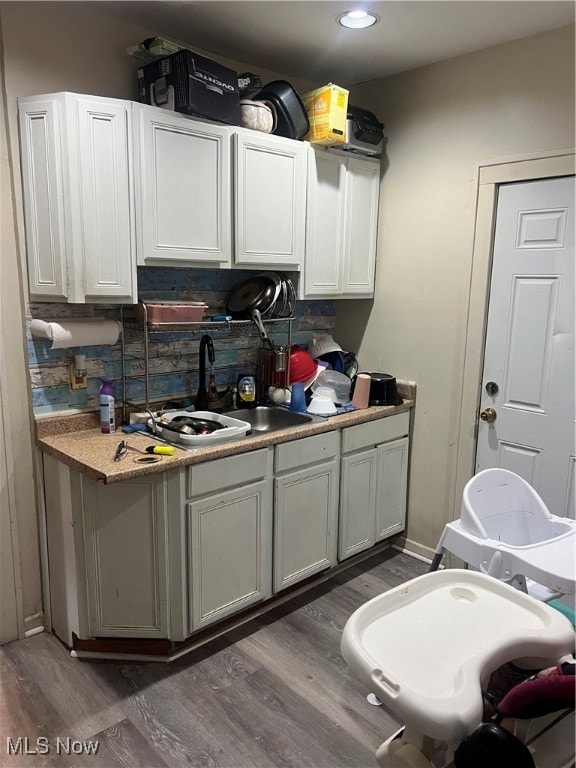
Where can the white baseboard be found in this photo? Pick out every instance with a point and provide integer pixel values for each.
(413, 548)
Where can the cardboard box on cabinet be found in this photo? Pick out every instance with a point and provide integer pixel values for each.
(189, 83)
(326, 108)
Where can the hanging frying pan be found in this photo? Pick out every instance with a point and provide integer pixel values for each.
(258, 292)
(280, 308)
(275, 306)
(290, 296)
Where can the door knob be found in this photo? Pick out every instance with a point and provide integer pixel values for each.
(488, 415)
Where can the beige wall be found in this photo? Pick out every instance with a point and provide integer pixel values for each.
(441, 122)
(50, 47)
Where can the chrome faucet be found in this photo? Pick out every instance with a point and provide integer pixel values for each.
(202, 394)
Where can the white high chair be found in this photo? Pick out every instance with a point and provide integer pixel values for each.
(507, 531)
(427, 648)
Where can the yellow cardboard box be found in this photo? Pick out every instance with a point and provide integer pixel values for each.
(326, 108)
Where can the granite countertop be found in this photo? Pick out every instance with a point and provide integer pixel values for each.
(76, 440)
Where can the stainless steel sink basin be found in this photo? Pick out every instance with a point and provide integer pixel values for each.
(265, 418)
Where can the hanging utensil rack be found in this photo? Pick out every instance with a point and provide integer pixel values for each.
(149, 328)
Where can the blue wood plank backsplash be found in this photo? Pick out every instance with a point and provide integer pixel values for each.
(173, 356)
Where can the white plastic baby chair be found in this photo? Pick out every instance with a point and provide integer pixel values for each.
(427, 648)
(507, 531)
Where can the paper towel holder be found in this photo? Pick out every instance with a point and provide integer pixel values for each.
(76, 332)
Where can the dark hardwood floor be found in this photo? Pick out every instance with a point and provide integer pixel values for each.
(275, 692)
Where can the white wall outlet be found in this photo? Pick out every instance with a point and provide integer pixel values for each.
(77, 381)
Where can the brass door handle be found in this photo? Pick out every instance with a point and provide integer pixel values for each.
(488, 415)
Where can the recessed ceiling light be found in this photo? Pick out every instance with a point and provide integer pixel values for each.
(357, 19)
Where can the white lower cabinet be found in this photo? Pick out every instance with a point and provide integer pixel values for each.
(229, 536)
(165, 555)
(126, 557)
(374, 482)
(392, 473)
(357, 503)
(107, 551)
(305, 508)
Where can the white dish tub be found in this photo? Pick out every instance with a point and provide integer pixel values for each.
(233, 429)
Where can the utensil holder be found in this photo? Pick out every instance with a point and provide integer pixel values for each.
(274, 363)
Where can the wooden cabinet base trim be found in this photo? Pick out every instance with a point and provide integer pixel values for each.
(122, 645)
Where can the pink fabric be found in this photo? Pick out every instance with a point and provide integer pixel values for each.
(537, 697)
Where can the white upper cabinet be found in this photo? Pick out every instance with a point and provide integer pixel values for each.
(191, 188)
(341, 225)
(361, 226)
(76, 177)
(325, 224)
(109, 184)
(183, 190)
(269, 200)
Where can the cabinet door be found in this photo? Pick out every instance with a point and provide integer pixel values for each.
(230, 546)
(42, 181)
(102, 208)
(305, 519)
(183, 189)
(362, 194)
(324, 224)
(357, 503)
(76, 161)
(269, 200)
(126, 559)
(391, 491)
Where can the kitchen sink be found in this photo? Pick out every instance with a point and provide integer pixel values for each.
(266, 418)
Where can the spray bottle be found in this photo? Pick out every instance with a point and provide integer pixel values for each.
(107, 408)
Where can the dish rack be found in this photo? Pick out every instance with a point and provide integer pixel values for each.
(148, 329)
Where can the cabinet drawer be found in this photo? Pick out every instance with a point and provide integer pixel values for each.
(228, 473)
(309, 450)
(375, 432)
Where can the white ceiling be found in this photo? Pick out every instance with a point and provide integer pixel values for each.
(301, 39)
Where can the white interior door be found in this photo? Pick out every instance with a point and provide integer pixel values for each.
(527, 419)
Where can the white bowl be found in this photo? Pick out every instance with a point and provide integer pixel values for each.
(321, 406)
(339, 382)
(325, 392)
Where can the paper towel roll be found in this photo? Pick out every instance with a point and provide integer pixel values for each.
(77, 333)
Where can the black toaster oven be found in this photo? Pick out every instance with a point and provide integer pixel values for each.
(364, 132)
